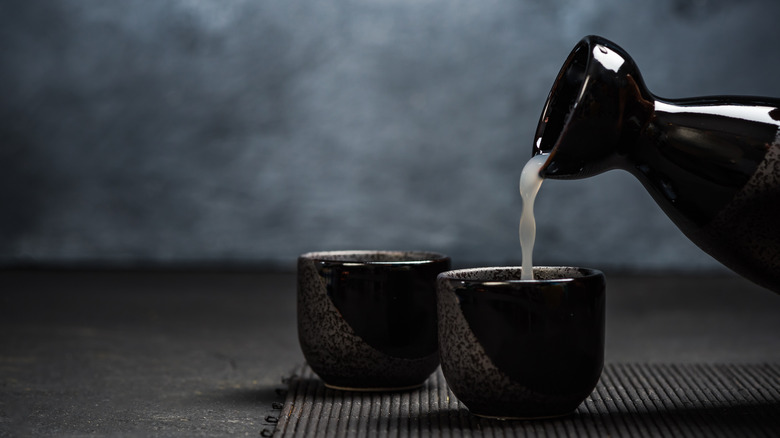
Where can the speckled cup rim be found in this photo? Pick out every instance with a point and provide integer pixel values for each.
(486, 275)
(383, 257)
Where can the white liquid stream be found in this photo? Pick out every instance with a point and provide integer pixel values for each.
(530, 181)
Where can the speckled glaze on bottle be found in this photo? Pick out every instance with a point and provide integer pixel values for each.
(711, 163)
(367, 319)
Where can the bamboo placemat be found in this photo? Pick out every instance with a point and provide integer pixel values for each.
(630, 400)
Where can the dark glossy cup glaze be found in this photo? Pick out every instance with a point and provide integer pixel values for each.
(518, 349)
(367, 319)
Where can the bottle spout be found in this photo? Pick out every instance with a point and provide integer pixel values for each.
(586, 117)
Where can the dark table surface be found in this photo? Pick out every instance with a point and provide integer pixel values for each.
(138, 353)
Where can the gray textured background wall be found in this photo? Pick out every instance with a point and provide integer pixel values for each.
(143, 132)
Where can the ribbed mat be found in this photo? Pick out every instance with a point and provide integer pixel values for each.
(630, 400)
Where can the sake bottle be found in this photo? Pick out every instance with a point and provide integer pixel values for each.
(711, 163)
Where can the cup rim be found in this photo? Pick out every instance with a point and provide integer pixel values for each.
(455, 275)
(353, 257)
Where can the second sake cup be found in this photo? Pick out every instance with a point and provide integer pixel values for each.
(367, 319)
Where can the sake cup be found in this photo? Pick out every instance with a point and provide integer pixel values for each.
(367, 319)
(521, 349)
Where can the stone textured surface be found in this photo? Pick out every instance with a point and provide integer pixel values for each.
(145, 132)
(201, 354)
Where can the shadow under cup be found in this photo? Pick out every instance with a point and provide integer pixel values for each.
(367, 319)
(521, 349)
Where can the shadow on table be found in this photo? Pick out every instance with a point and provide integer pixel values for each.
(263, 403)
(261, 395)
(745, 419)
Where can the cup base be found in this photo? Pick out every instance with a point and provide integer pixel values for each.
(373, 389)
(522, 418)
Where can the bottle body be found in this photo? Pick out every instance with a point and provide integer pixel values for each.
(712, 163)
(713, 166)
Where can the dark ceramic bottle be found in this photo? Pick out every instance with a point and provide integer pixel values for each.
(711, 163)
